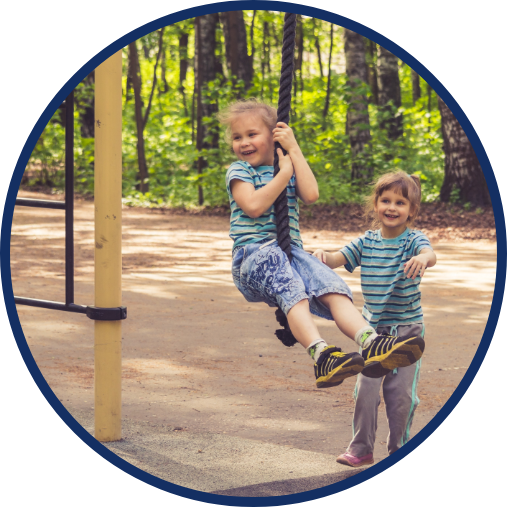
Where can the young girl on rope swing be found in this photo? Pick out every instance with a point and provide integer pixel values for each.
(393, 258)
(261, 270)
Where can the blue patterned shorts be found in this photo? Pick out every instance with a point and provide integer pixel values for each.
(262, 273)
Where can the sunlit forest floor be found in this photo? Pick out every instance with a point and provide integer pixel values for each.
(198, 358)
(439, 221)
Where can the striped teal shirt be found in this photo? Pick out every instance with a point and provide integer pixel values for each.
(244, 229)
(390, 298)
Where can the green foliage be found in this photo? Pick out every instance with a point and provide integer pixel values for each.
(170, 130)
(454, 196)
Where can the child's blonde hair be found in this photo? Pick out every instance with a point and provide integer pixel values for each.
(231, 112)
(407, 185)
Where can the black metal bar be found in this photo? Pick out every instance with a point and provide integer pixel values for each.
(51, 305)
(91, 312)
(69, 199)
(40, 203)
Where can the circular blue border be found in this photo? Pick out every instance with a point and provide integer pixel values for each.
(6, 236)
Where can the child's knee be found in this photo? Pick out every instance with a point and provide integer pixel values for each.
(331, 298)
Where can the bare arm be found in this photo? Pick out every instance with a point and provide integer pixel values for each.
(306, 185)
(333, 260)
(418, 264)
(255, 202)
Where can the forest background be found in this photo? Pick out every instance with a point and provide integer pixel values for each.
(357, 112)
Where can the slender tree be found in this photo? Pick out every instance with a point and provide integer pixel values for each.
(183, 56)
(239, 63)
(389, 93)
(298, 58)
(135, 79)
(142, 119)
(429, 91)
(416, 86)
(207, 131)
(317, 47)
(85, 99)
(252, 42)
(328, 91)
(463, 177)
(371, 60)
(163, 71)
(358, 119)
(265, 62)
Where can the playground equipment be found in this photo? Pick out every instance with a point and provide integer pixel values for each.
(281, 204)
(107, 311)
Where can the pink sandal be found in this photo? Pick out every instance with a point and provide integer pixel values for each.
(352, 461)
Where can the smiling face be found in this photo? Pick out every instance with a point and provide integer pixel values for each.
(393, 211)
(252, 141)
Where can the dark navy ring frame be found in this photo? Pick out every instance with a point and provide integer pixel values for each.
(444, 411)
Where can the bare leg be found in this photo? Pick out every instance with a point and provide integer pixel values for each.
(344, 313)
(302, 325)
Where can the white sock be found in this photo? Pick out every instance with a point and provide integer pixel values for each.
(365, 336)
(315, 348)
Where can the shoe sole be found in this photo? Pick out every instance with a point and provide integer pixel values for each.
(401, 355)
(349, 368)
(344, 461)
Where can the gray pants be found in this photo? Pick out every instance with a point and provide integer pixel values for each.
(400, 397)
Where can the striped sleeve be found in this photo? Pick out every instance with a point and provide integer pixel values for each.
(419, 243)
(237, 172)
(353, 253)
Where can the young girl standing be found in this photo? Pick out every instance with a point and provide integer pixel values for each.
(261, 270)
(393, 259)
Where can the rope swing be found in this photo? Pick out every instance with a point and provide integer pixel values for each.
(281, 204)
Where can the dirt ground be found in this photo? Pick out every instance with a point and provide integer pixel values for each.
(197, 357)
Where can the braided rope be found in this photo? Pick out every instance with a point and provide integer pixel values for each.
(281, 203)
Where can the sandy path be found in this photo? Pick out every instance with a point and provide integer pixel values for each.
(198, 357)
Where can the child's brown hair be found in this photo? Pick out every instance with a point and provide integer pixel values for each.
(231, 112)
(408, 186)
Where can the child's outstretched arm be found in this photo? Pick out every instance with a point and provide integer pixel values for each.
(333, 260)
(306, 185)
(255, 202)
(418, 264)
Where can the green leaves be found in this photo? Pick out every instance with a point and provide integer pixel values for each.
(170, 131)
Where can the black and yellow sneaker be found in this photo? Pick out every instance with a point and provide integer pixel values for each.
(387, 352)
(334, 366)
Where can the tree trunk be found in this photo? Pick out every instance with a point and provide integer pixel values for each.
(298, 59)
(85, 100)
(371, 60)
(263, 58)
(252, 42)
(464, 179)
(328, 91)
(163, 72)
(154, 80)
(358, 119)
(207, 134)
(239, 63)
(429, 89)
(317, 47)
(135, 77)
(183, 55)
(416, 86)
(389, 95)
(267, 57)
(142, 120)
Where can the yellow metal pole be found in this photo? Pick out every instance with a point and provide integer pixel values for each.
(108, 169)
